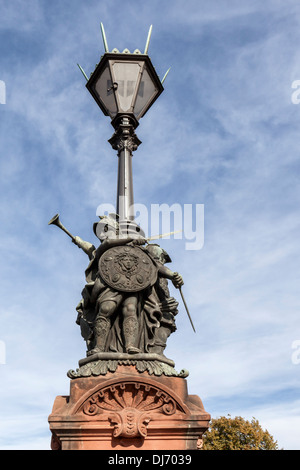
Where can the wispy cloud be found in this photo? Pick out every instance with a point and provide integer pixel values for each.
(224, 134)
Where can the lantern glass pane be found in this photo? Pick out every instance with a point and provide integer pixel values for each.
(104, 89)
(126, 75)
(147, 91)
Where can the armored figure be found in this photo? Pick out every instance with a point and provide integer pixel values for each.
(126, 305)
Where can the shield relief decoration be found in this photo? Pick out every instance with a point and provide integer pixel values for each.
(127, 269)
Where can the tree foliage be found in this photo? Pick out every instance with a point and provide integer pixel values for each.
(227, 433)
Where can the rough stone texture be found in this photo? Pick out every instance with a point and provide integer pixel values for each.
(127, 410)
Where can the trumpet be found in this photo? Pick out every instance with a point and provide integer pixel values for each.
(55, 221)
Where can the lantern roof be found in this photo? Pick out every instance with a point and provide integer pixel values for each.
(124, 82)
(126, 51)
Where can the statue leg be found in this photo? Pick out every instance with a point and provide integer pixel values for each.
(130, 325)
(102, 324)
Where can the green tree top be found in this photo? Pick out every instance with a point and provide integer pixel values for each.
(226, 433)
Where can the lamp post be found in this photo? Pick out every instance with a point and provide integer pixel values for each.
(124, 85)
(126, 313)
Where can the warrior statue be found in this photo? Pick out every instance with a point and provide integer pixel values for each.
(126, 305)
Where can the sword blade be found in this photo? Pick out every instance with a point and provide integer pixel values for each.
(186, 308)
(155, 237)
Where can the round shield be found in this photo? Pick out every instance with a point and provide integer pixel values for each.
(127, 269)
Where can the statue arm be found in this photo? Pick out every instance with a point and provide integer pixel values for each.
(87, 247)
(110, 243)
(176, 278)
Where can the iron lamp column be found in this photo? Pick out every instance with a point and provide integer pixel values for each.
(125, 141)
(124, 85)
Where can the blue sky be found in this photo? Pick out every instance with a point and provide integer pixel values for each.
(224, 133)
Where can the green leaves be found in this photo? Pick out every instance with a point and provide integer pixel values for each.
(226, 433)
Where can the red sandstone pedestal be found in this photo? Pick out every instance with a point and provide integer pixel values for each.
(128, 410)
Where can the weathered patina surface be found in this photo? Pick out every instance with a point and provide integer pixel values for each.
(126, 305)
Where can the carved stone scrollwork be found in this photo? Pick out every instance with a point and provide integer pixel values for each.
(130, 423)
(130, 406)
(142, 397)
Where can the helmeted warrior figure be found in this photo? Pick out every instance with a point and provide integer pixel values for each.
(126, 305)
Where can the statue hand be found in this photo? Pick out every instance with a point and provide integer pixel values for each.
(169, 305)
(138, 241)
(177, 280)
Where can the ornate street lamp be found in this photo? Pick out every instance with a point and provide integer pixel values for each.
(126, 312)
(124, 85)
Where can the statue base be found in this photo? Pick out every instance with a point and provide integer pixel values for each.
(127, 410)
(102, 363)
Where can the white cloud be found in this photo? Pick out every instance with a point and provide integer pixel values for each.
(16, 16)
(224, 133)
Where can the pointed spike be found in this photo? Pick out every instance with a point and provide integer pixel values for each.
(165, 76)
(104, 38)
(83, 73)
(148, 40)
